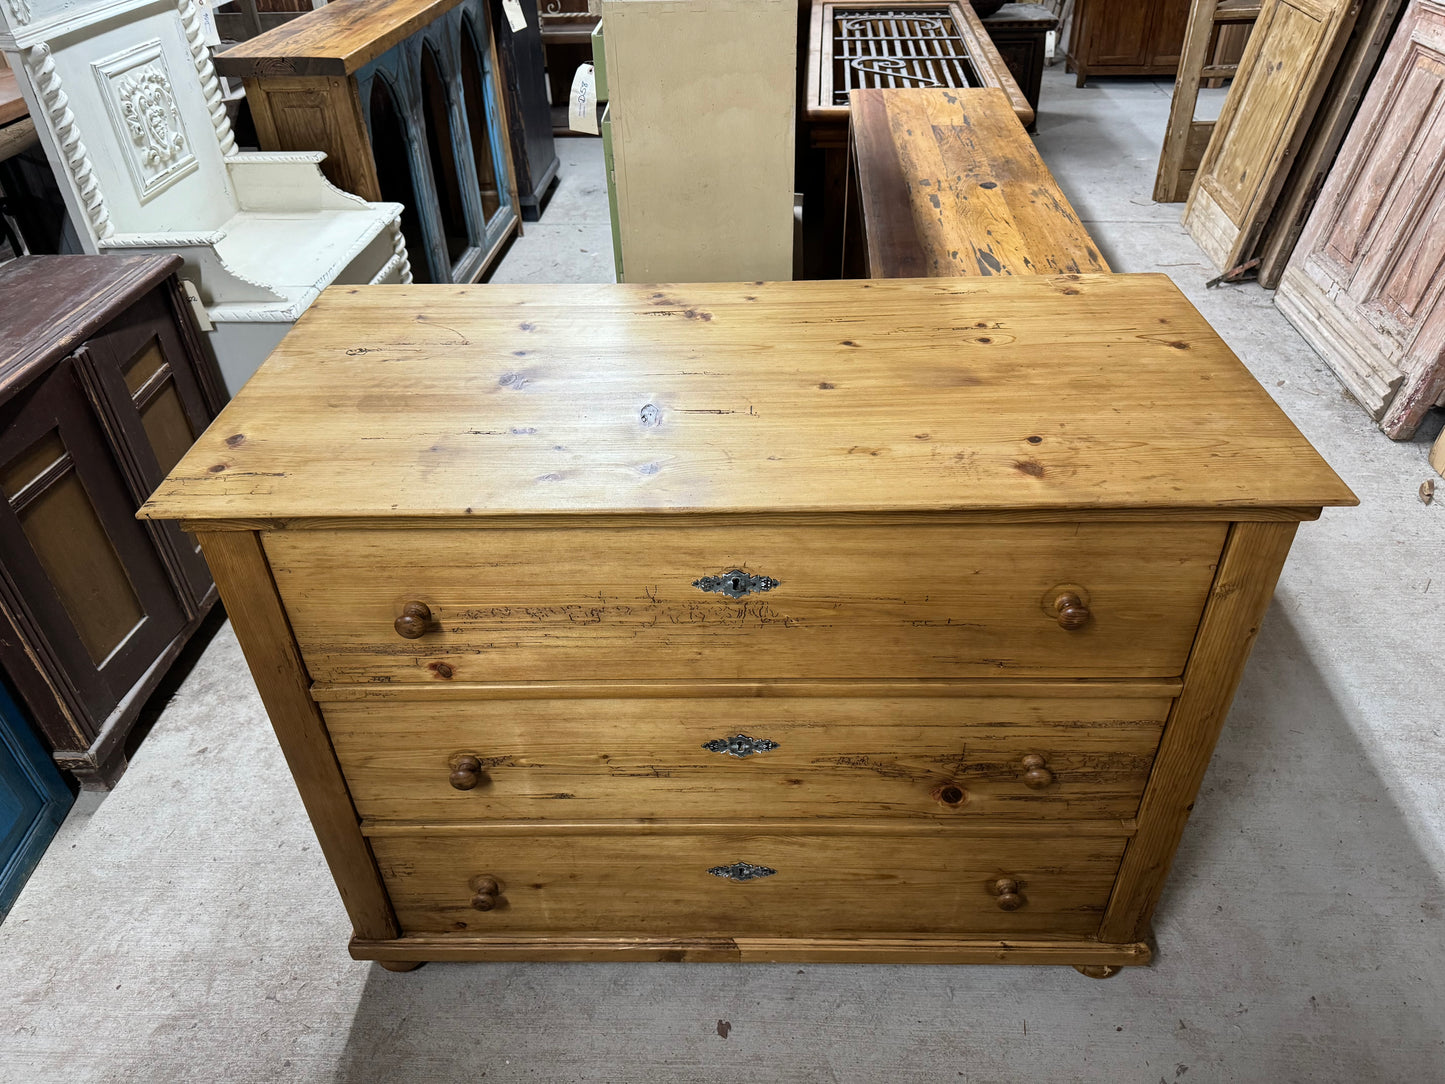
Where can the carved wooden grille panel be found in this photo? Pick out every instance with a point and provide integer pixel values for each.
(886, 47)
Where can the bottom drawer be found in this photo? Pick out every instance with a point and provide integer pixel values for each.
(736, 882)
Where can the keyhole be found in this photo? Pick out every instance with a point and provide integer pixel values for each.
(737, 584)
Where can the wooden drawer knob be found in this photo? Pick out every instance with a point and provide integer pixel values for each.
(1006, 889)
(1072, 611)
(414, 619)
(1036, 772)
(486, 892)
(466, 772)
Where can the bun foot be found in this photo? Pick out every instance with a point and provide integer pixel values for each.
(1098, 971)
(401, 965)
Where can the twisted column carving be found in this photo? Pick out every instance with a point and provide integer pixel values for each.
(206, 72)
(398, 248)
(67, 134)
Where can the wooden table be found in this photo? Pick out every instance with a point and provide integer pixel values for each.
(947, 182)
(853, 621)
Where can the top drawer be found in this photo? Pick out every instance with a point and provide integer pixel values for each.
(815, 602)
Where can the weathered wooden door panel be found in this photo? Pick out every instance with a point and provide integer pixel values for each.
(1366, 281)
(1394, 147)
(1291, 54)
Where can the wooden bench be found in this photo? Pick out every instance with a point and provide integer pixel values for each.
(946, 183)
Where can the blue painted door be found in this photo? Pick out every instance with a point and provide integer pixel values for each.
(33, 800)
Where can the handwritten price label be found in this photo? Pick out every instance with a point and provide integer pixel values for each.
(516, 17)
(582, 102)
(206, 10)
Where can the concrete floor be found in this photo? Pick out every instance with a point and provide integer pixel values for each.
(185, 928)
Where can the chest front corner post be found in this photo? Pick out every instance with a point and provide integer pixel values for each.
(248, 591)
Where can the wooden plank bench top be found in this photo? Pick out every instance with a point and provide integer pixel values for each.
(947, 183)
(337, 39)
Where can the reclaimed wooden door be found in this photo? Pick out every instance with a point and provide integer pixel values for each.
(1365, 283)
(1291, 53)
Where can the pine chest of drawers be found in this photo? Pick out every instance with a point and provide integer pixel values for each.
(887, 621)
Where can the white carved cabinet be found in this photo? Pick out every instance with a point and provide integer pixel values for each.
(129, 109)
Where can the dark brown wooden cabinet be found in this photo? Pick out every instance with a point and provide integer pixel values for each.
(529, 115)
(1126, 37)
(104, 385)
(1020, 32)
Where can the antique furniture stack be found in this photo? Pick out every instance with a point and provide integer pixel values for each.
(403, 98)
(129, 109)
(784, 621)
(947, 182)
(700, 138)
(105, 385)
(867, 43)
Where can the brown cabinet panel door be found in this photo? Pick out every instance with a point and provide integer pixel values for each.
(82, 578)
(1166, 35)
(1366, 281)
(1117, 32)
(148, 392)
(1291, 54)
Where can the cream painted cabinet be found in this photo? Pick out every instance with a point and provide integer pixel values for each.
(701, 108)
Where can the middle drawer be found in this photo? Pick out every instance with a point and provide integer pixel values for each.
(996, 757)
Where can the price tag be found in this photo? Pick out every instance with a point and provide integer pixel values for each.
(516, 17)
(582, 102)
(206, 10)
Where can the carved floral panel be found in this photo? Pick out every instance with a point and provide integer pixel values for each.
(139, 96)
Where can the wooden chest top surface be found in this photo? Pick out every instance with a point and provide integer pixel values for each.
(337, 39)
(49, 305)
(1017, 395)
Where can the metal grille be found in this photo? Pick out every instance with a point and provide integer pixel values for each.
(920, 47)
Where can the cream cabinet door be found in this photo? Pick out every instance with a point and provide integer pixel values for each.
(1291, 54)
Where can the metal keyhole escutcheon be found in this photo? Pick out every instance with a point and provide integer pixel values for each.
(735, 584)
